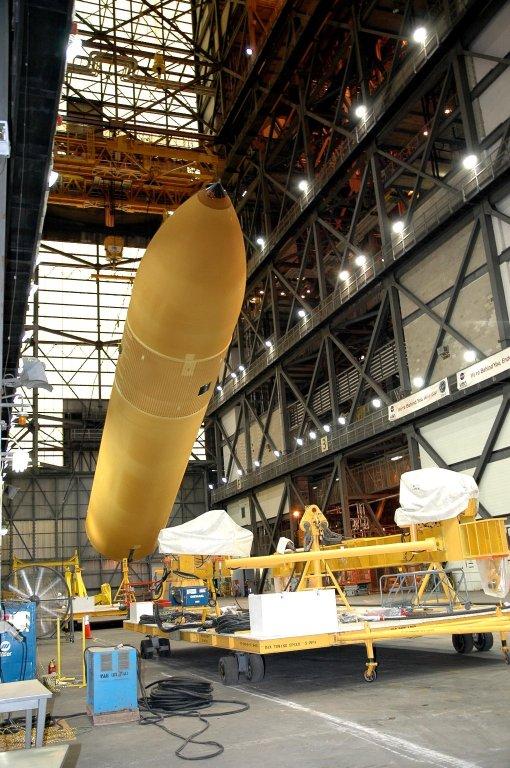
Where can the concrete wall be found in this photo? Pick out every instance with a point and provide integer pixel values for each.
(275, 430)
(460, 437)
(493, 105)
(269, 499)
(432, 281)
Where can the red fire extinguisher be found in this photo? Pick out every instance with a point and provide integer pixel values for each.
(52, 667)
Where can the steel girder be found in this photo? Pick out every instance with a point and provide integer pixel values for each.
(297, 333)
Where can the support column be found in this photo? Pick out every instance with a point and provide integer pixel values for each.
(4, 115)
(414, 449)
(400, 344)
(344, 496)
(494, 270)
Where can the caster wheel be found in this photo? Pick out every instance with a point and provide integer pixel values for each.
(164, 648)
(146, 649)
(370, 677)
(229, 670)
(255, 668)
(483, 641)
(463, 643)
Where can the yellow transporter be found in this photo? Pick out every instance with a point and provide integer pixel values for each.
(186, 300)
(458, 538)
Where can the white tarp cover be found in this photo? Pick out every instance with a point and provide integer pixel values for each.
(213, 533)
(429, 495)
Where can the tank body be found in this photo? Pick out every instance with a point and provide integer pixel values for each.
(186, 299)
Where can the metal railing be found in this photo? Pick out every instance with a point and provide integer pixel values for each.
(338, 439)
(444, 204)
(403, 76)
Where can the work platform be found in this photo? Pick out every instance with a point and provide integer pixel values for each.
(476, 623)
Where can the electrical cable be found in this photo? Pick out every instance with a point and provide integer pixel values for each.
(229, 623)
(184, 697)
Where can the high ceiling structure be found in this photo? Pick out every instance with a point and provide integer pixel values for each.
(129, 137)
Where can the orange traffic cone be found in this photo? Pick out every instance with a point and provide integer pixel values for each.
(86, 628)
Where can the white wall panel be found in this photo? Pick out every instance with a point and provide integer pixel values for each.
(462, 435)
(494, 487)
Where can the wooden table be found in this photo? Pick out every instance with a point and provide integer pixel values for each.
(45, 757)
(26, 695)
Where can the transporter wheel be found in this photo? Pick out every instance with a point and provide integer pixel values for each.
(164, 651)
(255, 668)
(370, 677)
(146, 649)
(463, 643)
(228, 668)
(483, 641)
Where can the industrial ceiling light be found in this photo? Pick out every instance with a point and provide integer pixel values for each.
(256, 463)
(249, 51)
(376, 402)
(343, 275)
(420, 35)
(211, 486)
(296, 513)
(360, 260)
(219, 388)
(32, 375)
(241, 368)
(361, 111)
(470, 355)
(326, 428)
(301, 313)
(469, 162)
(303, 185)
(268, 343)
(19, 459)
(233, 375)
(282, 293)
(223, 479)
(396, 458)
(277, 454)
(398, 226)
(75, 46)
(260, 241)
(342, 421)
(52, 178)
(239, 471)
(447, 110)
(312, 434)
(418, 382)
(299, 441)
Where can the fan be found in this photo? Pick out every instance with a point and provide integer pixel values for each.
(47, 588)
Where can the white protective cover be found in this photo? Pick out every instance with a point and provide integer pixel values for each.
(430, 495)
(213, 533)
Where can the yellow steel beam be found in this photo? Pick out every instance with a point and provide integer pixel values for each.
(134, 176)
(338, 553)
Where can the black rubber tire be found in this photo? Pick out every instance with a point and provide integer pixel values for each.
(229, 670)
(483, 641)
(146, 649)
(463, 643)
(255, 668)
(370, 677)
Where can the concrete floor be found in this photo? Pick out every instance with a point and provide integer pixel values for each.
(429, 707)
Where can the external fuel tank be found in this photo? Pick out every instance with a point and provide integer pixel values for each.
(185, 303)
